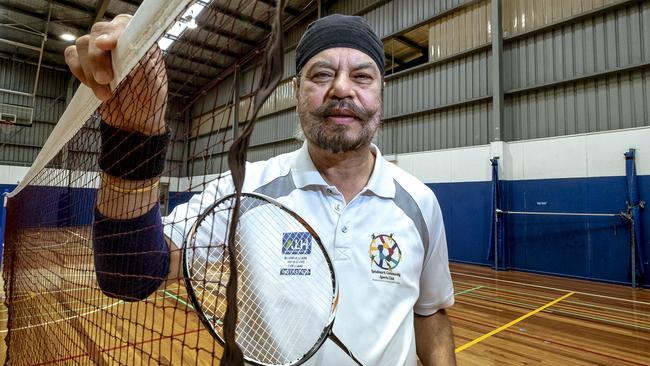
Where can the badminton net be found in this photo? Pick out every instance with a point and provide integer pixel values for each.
(213, 53)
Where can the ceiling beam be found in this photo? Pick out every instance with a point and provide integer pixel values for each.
(202, 46)
(101, 10)
(189, 72)
(411, 43)
(287, 9)
(199, 61)
(239, 15)
(20, 44)
(393, 60)
(35, 16)
(227, 34)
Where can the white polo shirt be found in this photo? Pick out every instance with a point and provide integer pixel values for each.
(387, 244)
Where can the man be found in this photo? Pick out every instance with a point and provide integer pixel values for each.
(382, 228)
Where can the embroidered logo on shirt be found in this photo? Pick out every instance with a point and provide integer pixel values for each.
(385, 256)
(296, 248)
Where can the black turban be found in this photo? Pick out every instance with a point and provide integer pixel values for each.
(339, 31)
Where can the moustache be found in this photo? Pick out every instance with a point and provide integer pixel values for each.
(333, 107)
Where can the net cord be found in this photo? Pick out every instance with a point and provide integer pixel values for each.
(623, 215)
(272, 70)
(149, 23)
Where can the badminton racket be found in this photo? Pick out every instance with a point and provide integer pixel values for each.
(287, 294)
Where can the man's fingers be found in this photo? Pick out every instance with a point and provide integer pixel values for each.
(107, 33)
(99, 62)
(84, 62)
(72, 59)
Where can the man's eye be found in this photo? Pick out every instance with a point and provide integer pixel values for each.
(322, 76)
(364, 78)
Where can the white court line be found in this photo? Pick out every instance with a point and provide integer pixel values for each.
(64, 319)
(76, 234)
(553, 288)
(151, 301)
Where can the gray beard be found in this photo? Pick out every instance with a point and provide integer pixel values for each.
(334, 139)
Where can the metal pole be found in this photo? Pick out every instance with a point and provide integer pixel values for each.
(632, 248)
(497, 70)
(40, 56)
(496, 239)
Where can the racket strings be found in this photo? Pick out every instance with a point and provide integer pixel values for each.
(282, 315)
(284, 329)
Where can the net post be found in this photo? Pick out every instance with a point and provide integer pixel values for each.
(496, 239)
(3, 221)
(630, 220)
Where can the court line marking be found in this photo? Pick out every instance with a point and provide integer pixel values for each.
(560, 311)
(553, 288)
(175, 297)
(467, 291)
(148, 300)
(553, 341)
(508, 325)
(63, 319)
(218, 321)
(123, 345)
(576, 302)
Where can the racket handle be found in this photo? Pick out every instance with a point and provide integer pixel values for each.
(338, 342)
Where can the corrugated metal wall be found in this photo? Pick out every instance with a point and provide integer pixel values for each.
(398, 15)
(606, 103)
(20, 145)
(569, 67)
(583, 76)
(439, 85)
(465, 125)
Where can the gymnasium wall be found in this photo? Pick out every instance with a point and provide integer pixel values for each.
(575, 174)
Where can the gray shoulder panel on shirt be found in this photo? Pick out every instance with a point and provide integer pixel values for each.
(278, 187)
(407, 204)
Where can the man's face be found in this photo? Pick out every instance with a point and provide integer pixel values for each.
(339, 99)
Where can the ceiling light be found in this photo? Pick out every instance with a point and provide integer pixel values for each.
(68, 37)
(192, 24)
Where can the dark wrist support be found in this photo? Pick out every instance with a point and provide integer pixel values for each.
(132, 155)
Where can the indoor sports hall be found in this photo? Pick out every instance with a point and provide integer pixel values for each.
(528, 119)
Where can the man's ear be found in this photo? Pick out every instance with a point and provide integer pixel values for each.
(295, 81)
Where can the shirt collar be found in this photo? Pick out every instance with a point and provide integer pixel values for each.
(381, 180)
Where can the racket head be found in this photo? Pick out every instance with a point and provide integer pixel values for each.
(287, 293)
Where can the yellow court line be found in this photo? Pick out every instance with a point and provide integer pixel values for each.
(506, 326)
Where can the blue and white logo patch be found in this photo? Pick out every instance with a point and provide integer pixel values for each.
(296, 250)
(296, 243)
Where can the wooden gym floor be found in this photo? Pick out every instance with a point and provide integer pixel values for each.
(504, 318)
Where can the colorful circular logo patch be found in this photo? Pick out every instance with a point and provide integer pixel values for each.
(384, 252)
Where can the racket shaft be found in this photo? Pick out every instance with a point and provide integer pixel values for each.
(345, 349)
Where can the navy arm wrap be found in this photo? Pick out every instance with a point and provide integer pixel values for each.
(131, 256)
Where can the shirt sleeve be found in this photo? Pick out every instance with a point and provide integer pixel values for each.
(179, 222)
(436, 287)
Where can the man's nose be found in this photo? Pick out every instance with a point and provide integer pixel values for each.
(342, 87)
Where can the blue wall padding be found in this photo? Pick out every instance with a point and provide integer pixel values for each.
(593, 248)
(39, 206)
(177, 198)
(569, 245)
(62, 206)
(465, 207)
(585, 247)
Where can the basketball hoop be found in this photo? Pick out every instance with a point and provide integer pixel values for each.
(7, 128)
